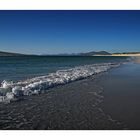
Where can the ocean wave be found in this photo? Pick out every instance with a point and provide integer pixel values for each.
(10, 91)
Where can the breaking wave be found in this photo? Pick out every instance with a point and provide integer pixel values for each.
(10, 91)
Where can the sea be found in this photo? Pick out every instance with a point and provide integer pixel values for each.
(27, 75)
(71, 92)
(23, 67)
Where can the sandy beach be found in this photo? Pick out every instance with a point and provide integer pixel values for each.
(121, 101)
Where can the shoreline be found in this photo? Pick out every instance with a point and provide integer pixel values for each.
(74, 106)
(13, 91)
(127, 55)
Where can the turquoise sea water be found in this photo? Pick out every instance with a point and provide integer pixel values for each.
(21, 68)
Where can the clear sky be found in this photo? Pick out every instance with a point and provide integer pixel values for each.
(52, 32)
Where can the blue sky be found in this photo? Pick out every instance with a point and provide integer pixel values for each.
(52, 32)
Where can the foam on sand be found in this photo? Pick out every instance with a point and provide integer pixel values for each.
(10, 91)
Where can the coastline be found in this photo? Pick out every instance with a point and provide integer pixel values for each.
(127, 55)
(11, 91)
(78, 105)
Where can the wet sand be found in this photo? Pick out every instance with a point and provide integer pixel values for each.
(75, 106)
(122, 94)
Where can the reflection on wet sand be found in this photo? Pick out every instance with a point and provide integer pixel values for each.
(136, 59)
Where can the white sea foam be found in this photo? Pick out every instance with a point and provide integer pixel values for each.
(10, 91)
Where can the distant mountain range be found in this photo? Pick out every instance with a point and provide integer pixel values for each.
(92, 53)
(73, 54)
(10, 54)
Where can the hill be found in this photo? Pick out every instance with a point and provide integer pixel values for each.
(10, 54)
(95, 53)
